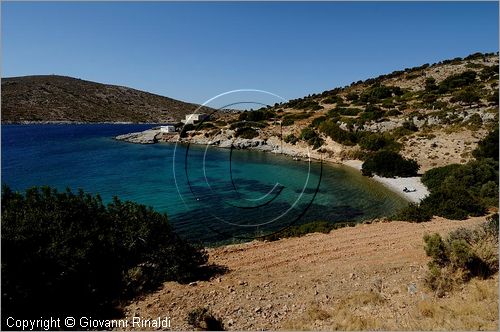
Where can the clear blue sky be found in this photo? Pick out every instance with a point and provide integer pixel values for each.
(193, 51)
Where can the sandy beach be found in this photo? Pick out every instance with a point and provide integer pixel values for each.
(397, 184)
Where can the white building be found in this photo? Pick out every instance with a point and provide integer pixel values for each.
(167, 129)
(194, 118)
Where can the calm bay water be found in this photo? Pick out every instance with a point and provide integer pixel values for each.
(210, 194)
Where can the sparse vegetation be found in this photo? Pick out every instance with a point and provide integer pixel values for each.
(458, 191)
(312, 227)
(463, 255)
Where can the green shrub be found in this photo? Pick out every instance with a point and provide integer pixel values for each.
(434, 177)
(464, 254)
(312, 227)
(205, 125)
(333, 130)
(475, 122)
(287, 122)
(436, 249)
(489, 72)
(69, 254)
(493, 97)
(352, 96)
(371, 113)
(185, 129)
(298, 116)
(413, 213)
(309, 135)
(246, 132)
(344, 111)
(317, 121)
(375, 142)
(488, 147)
(459, 191)
(332, 100)
(305, 104)
(221, 123)
(393, 112)
(291, 139)
(410, 126)
(467, 95)
(389, 164)
(457, 81)
(202, 319)
(258, 115)
(430, 84)
(378, 92)
(452, 203)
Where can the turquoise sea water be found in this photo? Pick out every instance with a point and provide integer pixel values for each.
(209, 194)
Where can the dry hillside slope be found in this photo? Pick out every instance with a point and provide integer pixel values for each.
(60, 98)
(363, 277)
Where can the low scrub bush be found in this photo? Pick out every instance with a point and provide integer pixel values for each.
(462, 255)
(453, 203)
(389, 164)
(258, 115)
(332, 100)
(291, 139)
(68, 254)
(333, 130)
(413, 213)
(434, 177)
(317, 121)
(467, 95)
(378, 91)
(455, 81)
(375, 142)
(309, 135)
(344, 111)
(246, 132)
(352, 96)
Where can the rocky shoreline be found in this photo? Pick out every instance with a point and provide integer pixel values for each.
(274, 145)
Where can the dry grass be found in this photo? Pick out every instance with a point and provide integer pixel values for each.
(474, 307)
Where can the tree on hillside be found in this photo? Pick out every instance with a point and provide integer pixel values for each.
(488, 147)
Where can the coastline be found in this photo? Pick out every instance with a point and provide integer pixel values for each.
(274, 145)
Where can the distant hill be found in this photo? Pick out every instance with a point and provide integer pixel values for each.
(60, 98)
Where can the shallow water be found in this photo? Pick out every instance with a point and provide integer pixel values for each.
(209, 194)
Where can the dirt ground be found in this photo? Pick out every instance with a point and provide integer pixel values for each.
(356, 278)
(443, 148)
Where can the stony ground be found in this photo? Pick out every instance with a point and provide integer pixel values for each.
(364, 277)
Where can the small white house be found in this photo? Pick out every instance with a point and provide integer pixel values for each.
(167, 129)
(194, 118)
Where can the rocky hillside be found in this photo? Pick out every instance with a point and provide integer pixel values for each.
(435, 114)
(59, 98)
